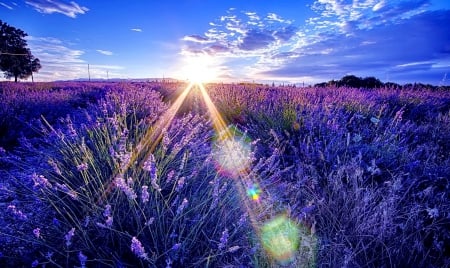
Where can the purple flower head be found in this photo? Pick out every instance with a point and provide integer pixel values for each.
(124, 187)
(176, 246)
(17, 213)
(182, 206)
(109, 221)
(68, 237)
(37, 232)
(180, 184)
(144, 194)
(137, 248)
(82, 167)
(150, 166)
(224, 239)
(35, 263)
(107, 211)
(40, 181)
(82, 258)
(170, 176)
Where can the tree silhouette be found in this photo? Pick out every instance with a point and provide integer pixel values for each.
(16, 59)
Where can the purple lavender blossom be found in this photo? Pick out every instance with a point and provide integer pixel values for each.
(65, 189)
(223, 239)
(182, 206)
(124, 187)
(107, 211)
(68, 237)
(82, 258)
(35, 263)
(55, 167)
(144, 194)
(150, 166)
(109, 221)
(137, 248)
(180, 184)
(82, 167)
(170, 176)
(176, 246)
(37, 232)
(40, 181)
(16, 212)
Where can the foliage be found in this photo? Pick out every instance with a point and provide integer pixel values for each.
(16, 59)
(350, 177)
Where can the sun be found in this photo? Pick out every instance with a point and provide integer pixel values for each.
(199, 69)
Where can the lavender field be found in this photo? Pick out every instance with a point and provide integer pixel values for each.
(158, 174)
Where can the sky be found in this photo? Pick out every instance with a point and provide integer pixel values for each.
(285, 41)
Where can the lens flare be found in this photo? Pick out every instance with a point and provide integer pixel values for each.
(280, 238)
(254, 192)
(232, 152)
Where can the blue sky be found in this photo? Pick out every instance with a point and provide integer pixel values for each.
(253, 40)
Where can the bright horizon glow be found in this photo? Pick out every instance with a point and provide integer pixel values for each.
(199, 69)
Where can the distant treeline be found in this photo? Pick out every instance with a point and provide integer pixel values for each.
(372, 82)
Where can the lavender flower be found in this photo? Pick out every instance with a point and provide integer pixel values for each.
(223, 239)
(35, 263)
(144, 194)
(55, 167)
(137, 248)
(176, 246)
(16, 212)
(150, 166)
(182, 206)
(170, 176)
(124, 187)
(107, 211)
(180, 184)
(40, 181)
(82, 258)
(68, 237)
(82, 167)
(109, 221)
(150, 221)
(37, 232)
(65, 189)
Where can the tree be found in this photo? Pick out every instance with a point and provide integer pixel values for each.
(16, 59)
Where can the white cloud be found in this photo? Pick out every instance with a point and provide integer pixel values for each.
(6, 6)
(365, 38)
(61, 62)
(104, 52)
(71, 9)
(136, 30)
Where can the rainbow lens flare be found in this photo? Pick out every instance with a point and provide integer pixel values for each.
(254, 192)
(280, 238)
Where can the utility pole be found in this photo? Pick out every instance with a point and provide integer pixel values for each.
(89, 73)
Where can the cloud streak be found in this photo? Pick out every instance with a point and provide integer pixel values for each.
(6, 6)
(71, 9)
(136, 30)
(104, 52)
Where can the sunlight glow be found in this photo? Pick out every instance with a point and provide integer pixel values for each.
(199, 69)
(232, 157)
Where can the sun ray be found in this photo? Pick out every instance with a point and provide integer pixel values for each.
(150, 140)
(279, 235)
